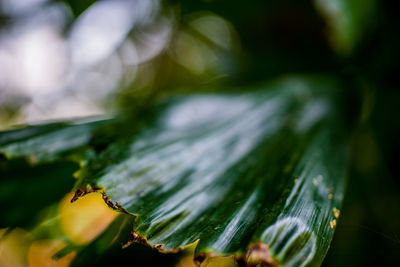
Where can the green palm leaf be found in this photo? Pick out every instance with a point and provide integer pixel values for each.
(258, 174)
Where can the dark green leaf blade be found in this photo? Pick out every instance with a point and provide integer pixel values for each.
(25, 190)
(222, 169)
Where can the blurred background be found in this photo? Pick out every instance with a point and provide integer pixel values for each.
(75, 58)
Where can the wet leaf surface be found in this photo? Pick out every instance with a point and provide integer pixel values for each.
(258, 174)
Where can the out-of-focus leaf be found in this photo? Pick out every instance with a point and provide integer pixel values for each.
(26, 190)
(44, 143)
(348, 21)
(234, 171)
(36, 166)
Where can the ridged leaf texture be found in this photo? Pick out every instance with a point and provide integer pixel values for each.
(259, 174)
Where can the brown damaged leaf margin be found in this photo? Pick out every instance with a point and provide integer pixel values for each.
(135, 237)
(256, 254)
(82, 191)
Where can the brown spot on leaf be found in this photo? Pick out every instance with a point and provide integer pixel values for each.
(336, 212)
(332, 224)
(257, 255)
(199, 258)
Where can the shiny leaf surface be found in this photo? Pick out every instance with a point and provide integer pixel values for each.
(231, 171)
(48, 142)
